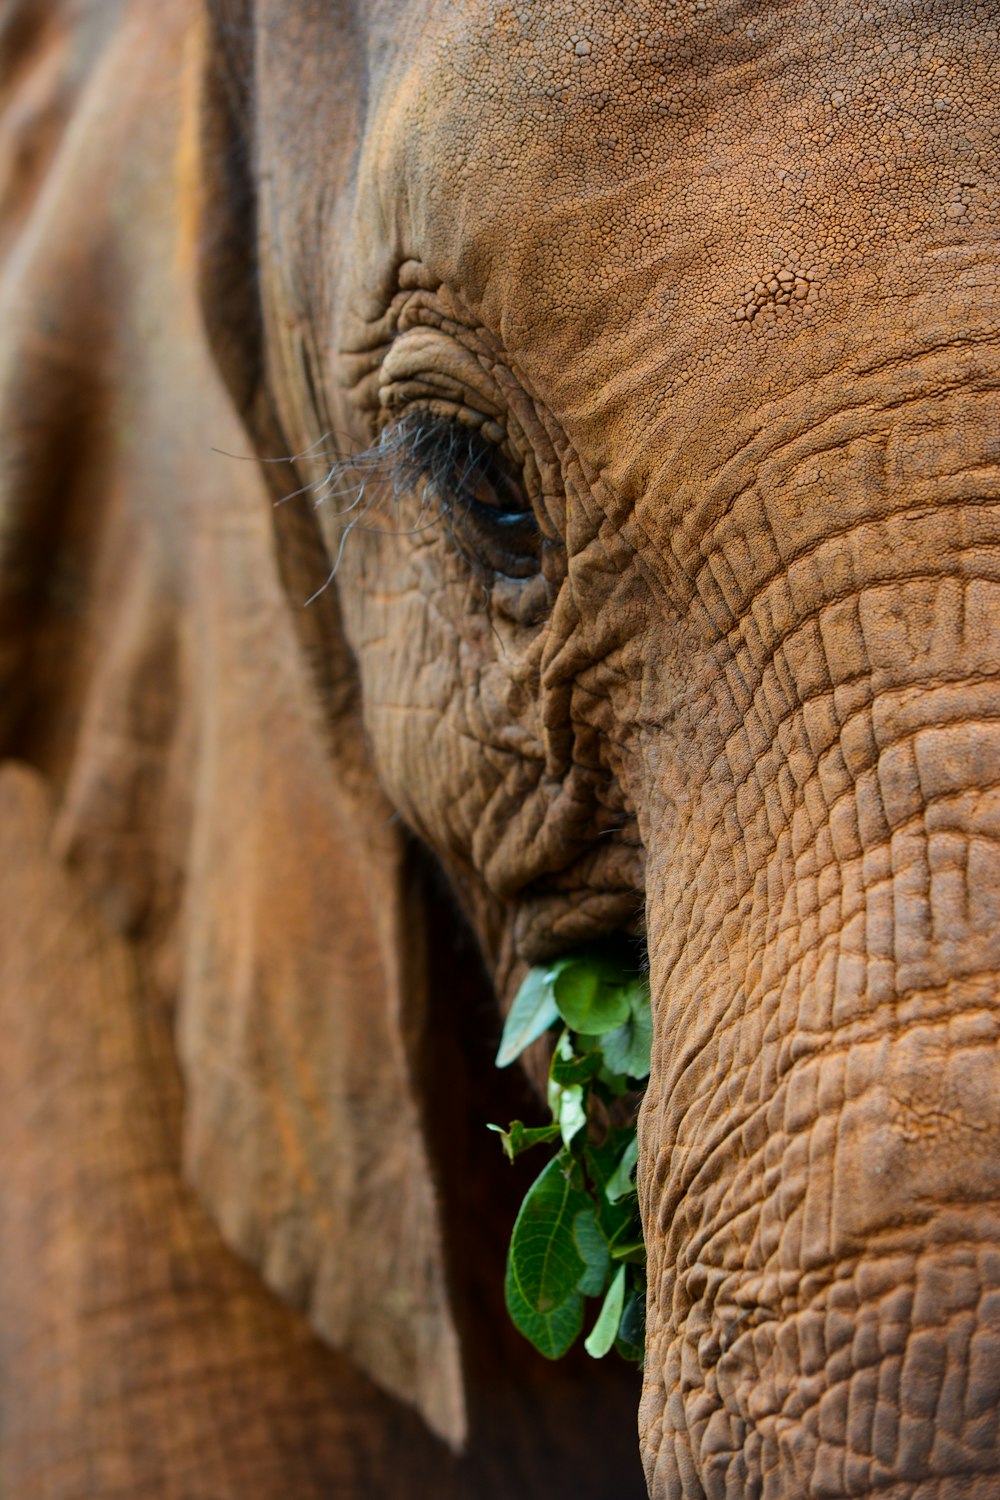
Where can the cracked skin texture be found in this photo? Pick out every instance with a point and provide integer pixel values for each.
(721, 281)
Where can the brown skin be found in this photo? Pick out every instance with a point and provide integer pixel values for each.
(723, 279)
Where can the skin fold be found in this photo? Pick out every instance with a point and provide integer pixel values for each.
(716, 284)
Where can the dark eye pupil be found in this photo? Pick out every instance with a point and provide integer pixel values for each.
(491, 517)
(495, 491)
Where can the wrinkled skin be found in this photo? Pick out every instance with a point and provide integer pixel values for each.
(723, 278)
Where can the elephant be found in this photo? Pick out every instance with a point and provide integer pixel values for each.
(479, 479)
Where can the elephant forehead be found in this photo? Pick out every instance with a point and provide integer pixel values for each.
(561, 148)
(630, 196)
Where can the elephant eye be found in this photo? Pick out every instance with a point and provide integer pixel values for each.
(483, 500)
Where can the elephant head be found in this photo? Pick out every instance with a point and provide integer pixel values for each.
(626, 381)
(668, 334)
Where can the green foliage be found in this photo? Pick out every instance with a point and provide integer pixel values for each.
(592, 1244)
(588, 998)
(534, 1011)
(626, 1050)
(619, 1184)
(605, 1330)
(522, 1137)
(578, 1234)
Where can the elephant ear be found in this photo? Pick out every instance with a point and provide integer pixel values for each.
(164, 691)
(303, 1003)
(304, 994)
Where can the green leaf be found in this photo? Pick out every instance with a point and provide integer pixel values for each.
(627, 1049)
(522, 1137)
(601, 1164)
(569, 1067)
(578, 1233)
(590, 996)
(592, 1244)
(533, 1012)
(544, 1265)
(568, 1109)
(619, 1184)
(552, 1333)
(627, 1243)
(605, 1330)
(631, 1340)
(602, 1160)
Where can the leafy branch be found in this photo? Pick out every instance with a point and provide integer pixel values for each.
(578, 1234)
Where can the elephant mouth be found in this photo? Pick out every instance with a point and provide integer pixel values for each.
(599, 894)
(549, 922)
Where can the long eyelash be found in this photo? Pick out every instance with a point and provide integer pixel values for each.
(440, 458)
(416, 450)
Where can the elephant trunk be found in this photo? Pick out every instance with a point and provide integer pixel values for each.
(821, 1135)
